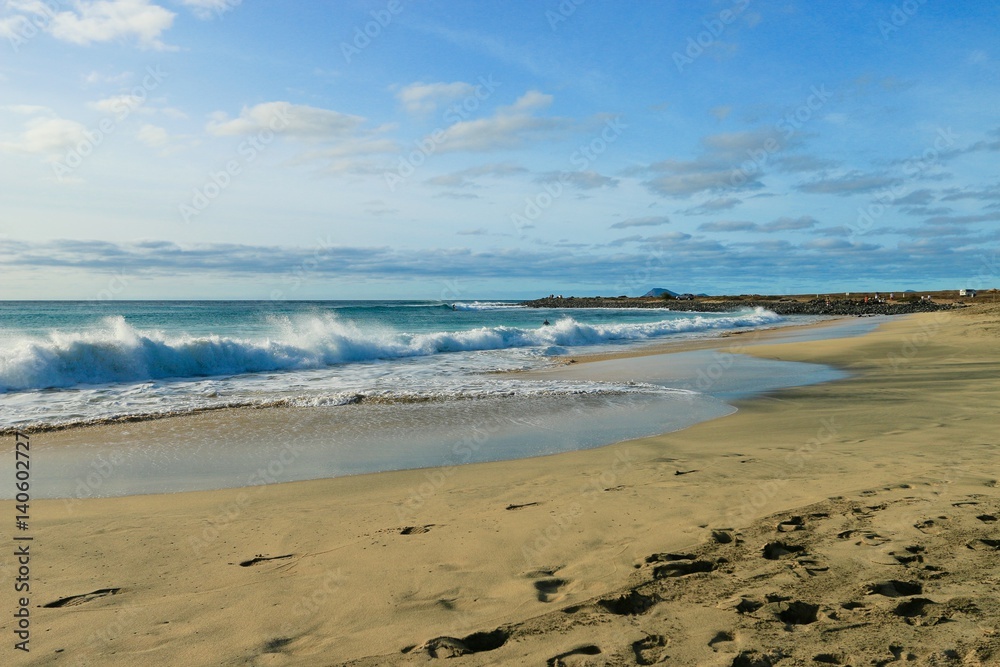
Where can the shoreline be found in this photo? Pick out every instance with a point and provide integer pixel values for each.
(503, 549)
(329, 441)
(643, 349)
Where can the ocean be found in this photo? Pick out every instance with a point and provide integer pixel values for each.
(64, 363)
(356, 386)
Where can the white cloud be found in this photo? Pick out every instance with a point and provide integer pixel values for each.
(719, 167)
(462, 179)
(120, 106)
(294, 120)
(652, 221)
(419, 98)
(48, 136)
(11, 26)
(786, 224)
(583, 180)
(96, 77)
(205, 9)
(176, 114)
(508, 128)
(27, 109)
(87, 22)
(153, 136)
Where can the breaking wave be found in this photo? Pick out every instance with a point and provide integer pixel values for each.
(118, 352)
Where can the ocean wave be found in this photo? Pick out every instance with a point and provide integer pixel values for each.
(118, 352)
(485, 305)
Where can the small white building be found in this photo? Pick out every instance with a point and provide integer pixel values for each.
(967, 292)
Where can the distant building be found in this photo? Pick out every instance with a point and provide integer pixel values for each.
(967, 292)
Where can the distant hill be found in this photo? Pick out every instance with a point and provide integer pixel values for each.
(659, 291)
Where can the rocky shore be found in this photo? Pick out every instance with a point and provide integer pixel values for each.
(781, 306)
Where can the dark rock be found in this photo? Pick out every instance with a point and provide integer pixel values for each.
(782, 307)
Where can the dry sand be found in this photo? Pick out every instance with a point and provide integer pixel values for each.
(850, 523)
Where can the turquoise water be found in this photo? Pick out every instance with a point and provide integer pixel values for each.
(87, 362)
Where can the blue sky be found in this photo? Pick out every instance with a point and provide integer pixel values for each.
(348, 149)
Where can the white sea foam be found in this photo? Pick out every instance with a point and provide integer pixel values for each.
(485, 305)
(118, 352)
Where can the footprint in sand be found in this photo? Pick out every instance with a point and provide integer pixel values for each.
(453, 647)
(651, 650)
(792, 524)
(795, 612)
(723, 535)
(754, 659)
(522, 505)
(722, 641)
(679, 565)
(911, 558)
(894, 588)
(632, 603)
(869, 538)
(930, 526)
(776, 550)
(261, 558)
(993, 544)
(574, 658)
(416, 530)
(74, 600)
(747, 605)
(812, 565)
(550, 590)
(919, 611)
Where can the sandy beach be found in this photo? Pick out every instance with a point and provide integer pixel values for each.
(847, 523)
